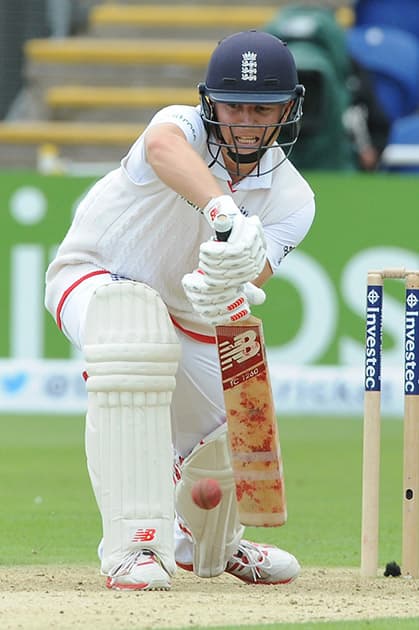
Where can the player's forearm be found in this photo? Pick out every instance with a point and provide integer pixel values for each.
(181, 168)
(264, 275)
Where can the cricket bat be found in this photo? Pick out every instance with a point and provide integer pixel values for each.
(251, 421)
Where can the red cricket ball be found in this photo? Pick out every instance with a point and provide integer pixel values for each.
(206, 493)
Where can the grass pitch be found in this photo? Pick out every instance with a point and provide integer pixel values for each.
(49, 515)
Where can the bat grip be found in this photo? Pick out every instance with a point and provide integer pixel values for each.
(223, 224)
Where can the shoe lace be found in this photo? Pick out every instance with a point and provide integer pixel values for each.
(130, 561)
(250, 557)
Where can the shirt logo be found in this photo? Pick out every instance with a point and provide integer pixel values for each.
(249, 66)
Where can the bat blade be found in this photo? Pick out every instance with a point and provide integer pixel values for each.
(252, 426)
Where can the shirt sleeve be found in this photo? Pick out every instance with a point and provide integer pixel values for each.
(283, 237)
(186, 118)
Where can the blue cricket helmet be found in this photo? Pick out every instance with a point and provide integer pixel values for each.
(252, 67)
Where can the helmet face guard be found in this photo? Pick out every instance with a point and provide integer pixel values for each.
(283, 134)
(252, 68)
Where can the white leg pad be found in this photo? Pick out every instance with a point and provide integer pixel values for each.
(132, 351)
(216, 533)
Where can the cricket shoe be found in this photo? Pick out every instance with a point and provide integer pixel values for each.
(140, 571)
(262, 564)
(259, 564)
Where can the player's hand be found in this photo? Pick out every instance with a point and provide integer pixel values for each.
(229, 263)
(220, 306)
(242, 257)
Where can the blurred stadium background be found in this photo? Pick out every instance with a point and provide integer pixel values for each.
(80, 78)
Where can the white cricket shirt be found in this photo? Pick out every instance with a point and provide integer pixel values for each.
(133, 225)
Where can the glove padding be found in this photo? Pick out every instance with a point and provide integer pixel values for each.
(219, 305)
(239, 259)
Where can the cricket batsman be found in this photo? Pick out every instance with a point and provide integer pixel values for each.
(138, 284)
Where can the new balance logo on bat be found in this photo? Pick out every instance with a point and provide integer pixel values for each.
(243, 347)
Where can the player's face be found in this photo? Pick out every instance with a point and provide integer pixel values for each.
(248, 126)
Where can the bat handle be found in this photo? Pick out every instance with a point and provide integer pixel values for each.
(223, 224)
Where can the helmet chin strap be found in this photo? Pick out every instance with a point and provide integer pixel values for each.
(245, 159)
(249, 158)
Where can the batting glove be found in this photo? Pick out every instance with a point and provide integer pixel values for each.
(239, 259)
(220, 305)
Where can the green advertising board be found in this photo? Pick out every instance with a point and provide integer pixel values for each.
(35, 213)
(314, 313)
(316, 307)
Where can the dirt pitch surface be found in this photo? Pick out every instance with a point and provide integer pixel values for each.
(75, 598)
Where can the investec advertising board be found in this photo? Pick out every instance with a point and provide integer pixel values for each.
(314, 316)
